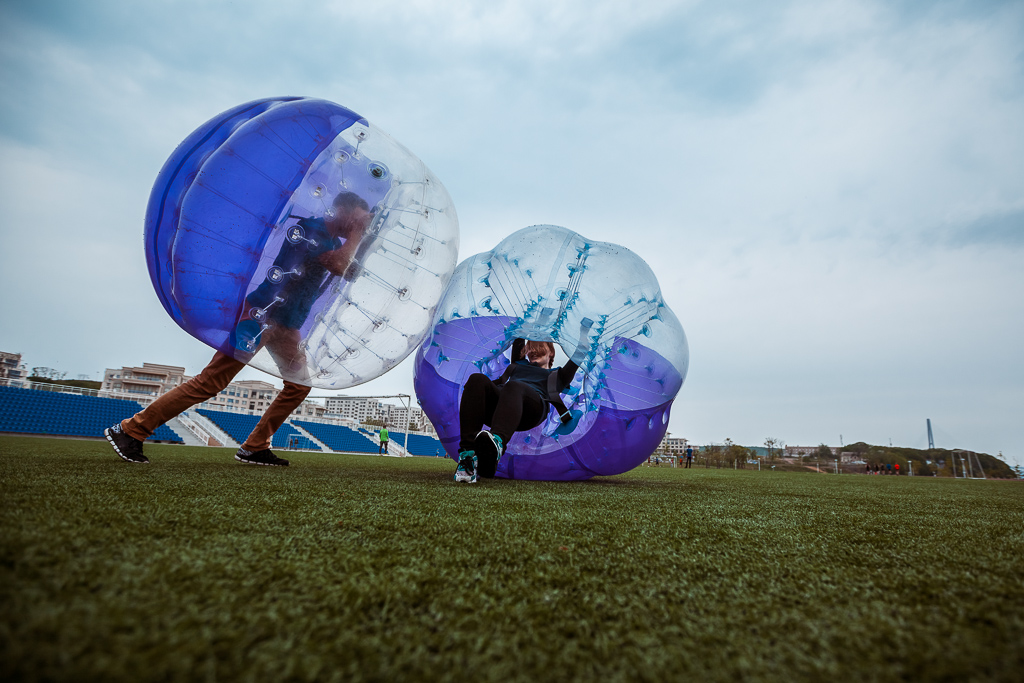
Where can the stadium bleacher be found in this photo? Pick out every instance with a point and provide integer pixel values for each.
(28, 411)
(419, 444)
(339, 437)
(238, 427)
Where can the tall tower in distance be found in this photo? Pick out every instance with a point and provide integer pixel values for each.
(931, 441)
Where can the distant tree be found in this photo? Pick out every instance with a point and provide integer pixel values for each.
(735, 455)
(823, 452)
(771, 443)
(712, 452)
(47, 373)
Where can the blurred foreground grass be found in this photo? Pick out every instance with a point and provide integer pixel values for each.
(365, 568)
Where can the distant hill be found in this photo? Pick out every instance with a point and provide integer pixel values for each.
(927, 462)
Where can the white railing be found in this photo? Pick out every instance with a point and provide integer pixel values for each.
(196, 430)
(46, 386)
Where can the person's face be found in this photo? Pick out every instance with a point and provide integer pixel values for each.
(541, 358)
(350, 222)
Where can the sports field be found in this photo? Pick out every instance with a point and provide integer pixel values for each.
(366, 568)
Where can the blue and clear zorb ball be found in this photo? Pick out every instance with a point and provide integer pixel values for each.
(297, 237)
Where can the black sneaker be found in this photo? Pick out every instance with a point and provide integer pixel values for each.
(264, 457)
(128, 448)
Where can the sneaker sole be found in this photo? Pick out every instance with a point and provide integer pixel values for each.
(486, 446)
(110, 440)
(253, 462)
(486, 438)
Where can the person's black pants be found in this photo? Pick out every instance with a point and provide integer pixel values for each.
(513, 407)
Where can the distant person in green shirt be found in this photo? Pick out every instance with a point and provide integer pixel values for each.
(383, 441)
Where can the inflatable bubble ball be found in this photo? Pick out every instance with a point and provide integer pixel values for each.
(604, 306)
(297, 237)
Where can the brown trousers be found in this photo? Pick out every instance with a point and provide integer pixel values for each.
(215, 376)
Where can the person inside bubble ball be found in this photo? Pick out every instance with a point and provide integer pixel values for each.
(314, 250)
(517, 401)
(322, 247)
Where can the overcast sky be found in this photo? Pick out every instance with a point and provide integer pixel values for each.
(831, 193)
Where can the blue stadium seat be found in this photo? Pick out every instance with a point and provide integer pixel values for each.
(238, 427)
(28, 411)
(419, 444)
(338, 437)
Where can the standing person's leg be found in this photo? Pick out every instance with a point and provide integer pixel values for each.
(283, 344)
(127, 436)
(256, 449)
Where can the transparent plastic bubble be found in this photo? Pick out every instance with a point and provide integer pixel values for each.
(267, 241)
(603, 305)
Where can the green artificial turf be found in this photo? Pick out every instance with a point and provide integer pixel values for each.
(363, 568)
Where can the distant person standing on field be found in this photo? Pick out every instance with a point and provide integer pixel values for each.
(689, 455)
(888, 468)
(383, 450)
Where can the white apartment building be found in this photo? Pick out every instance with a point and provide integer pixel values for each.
(309, 409)
(363, 409)
(251, 397)
(12, 371)
(143, 384)
(673, 446)
(358, 409)
(400, 417)
(147, 383)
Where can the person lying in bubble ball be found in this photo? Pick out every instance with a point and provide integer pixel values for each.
(314, 250)
(515, 402)
(318, 249)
